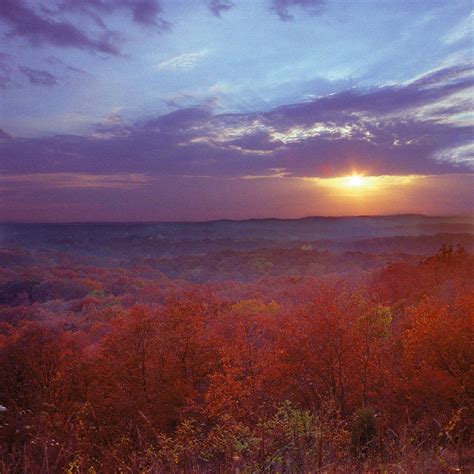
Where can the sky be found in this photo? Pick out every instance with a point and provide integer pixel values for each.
(149, 110)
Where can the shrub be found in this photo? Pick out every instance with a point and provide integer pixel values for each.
(363, 430)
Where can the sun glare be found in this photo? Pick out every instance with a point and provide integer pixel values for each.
(355, 180)
(359, 185)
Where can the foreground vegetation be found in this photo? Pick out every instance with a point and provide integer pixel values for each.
(124, 370)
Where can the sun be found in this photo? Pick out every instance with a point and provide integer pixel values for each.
(355, 181)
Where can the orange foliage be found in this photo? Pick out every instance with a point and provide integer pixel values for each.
(197, 378)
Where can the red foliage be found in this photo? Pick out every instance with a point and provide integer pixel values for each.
(102, 365)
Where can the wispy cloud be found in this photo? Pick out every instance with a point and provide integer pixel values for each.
(217, 7)
(39, 77)
(458, 155)
(145, 12)
(182, 62)
(462, 31)
(37, 28)
(4, 135)
(6, 71)
(56, 62)
(282, 7)
(394, 130)
(75, 180)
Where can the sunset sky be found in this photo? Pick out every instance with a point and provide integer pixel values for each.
(145, 110)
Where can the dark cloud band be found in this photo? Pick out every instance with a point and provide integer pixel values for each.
(418, 127)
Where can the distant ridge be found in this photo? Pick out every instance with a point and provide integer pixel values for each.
(252, 219)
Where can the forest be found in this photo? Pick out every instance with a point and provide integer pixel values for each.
(314, 345)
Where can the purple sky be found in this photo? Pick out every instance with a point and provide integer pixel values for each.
(190, 110)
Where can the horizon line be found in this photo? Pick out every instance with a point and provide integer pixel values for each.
(210, 221)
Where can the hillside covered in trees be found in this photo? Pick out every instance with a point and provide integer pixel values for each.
(318, 345)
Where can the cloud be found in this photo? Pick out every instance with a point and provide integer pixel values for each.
(183, 62)
(217, 7)
(75, 181)
(38, 77)
(405, 129)
(460, 155)
(54, 61)
(26, 23)
(6, 77)
(462, 31)
(144, 12)
(4, 135)
(282, 7)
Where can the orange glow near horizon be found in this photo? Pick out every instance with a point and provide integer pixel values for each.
(361, 194)
(355, 180)
(361, 184)
(276, 195)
